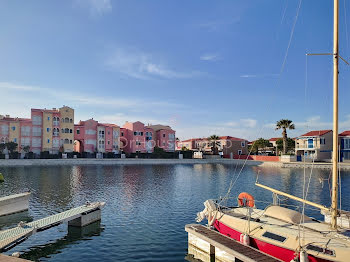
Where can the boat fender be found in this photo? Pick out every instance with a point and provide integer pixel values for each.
(244, 239)
(304, 256)
(1, 178)
(209, 208)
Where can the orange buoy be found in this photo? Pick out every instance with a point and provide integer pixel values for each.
(245, 199)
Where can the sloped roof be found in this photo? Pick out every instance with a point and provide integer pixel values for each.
(345, 133)
(274, 138)
(232, 138)
(317, 133)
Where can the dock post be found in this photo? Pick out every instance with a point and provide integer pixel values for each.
(86, 219)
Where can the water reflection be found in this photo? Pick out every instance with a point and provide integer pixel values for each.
(147, 205)
(74, 234)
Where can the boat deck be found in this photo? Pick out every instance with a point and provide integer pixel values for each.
(229, 245)
(12, 237)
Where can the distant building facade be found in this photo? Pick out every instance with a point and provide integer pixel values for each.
(344, 140)
(47, 130)
(91, 136)
(315, 145)
(164, 137)
(225, 144)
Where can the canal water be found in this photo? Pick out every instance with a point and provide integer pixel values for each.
(147, 206)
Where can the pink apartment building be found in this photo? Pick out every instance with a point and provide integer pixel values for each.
(46, 130)
(165, 137)
(138, 138)
(91, 136)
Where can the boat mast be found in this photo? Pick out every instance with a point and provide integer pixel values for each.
(335, 118)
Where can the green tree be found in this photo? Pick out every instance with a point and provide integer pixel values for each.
(260, 144)
(214, 140)
(284, 124)
(26, 149)
(11, 146)
(290, 144)
(2, 147)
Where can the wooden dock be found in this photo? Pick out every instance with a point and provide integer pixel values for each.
(14, 203)
(79, 216)
(219, 247)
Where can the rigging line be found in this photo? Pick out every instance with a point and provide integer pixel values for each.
(232, 183)
(306, 78)
(346, 29)
(289, 42)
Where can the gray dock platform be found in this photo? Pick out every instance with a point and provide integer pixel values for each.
(221, 247)
(79, 216)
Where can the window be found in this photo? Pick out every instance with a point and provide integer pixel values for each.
(163, 135)
(48, 129)
(122, 133)
(163, 143)
(325, 251)
(25, 130)
(55, 142)
(90, 132)
(109, 132)
(322, 141)
(36, 120)
(66, 120)
(62, 130)
(15, 140)
(274, 236)
(48, 141)
(13, 128)
(310, 143)
(66, 130)
(239, 152)
(4, 129)
(138, 143)
(242, 144)
(71, 120)
(25, 141)
(70, 142)
(36, 131)
(78, 131)
(48, 118)
(141, 133)
(36, 142)
(135, 133)
(108, 142)
(66, 141)
(70, 131)
(90, 142)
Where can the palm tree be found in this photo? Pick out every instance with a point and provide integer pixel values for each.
(284, 124)
(214, 140)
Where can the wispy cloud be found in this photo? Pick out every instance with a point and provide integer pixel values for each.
(258, 75)
(95, 7)
(209, 57)
(246, 122)
(141, 65)
(215, 25)
(35, 93)
(12, 86)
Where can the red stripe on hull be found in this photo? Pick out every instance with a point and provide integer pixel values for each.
(275, 251)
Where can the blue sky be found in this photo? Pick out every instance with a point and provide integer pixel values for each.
(203, 67)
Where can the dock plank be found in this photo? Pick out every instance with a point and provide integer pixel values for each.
(13, 236)
(229, 245)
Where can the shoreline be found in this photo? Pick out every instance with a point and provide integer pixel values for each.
(138, 161)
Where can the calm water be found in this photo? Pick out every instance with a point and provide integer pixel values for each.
(147, 206)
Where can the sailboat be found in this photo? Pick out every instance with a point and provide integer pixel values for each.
(282, 232)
